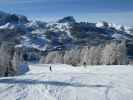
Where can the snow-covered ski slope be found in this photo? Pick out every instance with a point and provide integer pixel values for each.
(68, 83)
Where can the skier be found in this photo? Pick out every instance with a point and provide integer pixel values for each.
(6, 73)
(25, 57)
(50, 68)
(84, 64)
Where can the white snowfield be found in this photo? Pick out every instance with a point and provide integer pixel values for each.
(69, 83)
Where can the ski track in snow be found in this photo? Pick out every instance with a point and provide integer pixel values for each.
(67, 83)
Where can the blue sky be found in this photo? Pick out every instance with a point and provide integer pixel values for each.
(116, 11)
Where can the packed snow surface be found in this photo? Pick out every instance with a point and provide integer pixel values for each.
(65, 82)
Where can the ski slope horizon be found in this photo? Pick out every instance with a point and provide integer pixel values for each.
(69, 83)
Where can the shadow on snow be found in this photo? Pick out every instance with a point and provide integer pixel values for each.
(55, 83)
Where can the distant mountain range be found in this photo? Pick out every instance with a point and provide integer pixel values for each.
(65, 32)
(35, 41)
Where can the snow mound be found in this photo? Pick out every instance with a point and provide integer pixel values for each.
(23, 69)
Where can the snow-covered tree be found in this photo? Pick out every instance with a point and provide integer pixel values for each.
(72, 57)
(91, 56)
(122, 53)
(4, 59)
(84, 56)
(17, 60)
(109, 54)
(114, 53)
(10, 59)
(52, 57)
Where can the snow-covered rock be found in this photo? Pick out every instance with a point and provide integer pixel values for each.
(99, 24)
(60, 27)
(7, 26)
(118, 36)
(103, 24)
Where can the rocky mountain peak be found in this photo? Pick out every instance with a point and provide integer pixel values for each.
(12, 18)
(68, 19)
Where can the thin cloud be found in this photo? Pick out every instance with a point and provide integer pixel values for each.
(20, 1)
(32, 1)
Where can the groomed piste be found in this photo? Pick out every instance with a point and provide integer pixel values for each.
(65, 82)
